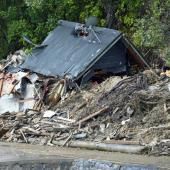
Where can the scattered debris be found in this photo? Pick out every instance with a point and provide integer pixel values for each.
(162, 147)
(103, 110)
(119, 113)
(49, 114)
(115, 113)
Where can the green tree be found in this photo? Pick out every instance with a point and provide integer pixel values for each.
(145, 22)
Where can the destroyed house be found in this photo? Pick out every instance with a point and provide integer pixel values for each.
(80, 52)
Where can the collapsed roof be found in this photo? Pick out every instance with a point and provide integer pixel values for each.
(64, 53)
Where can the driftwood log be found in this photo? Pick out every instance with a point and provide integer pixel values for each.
(136, 149)
(105, 109)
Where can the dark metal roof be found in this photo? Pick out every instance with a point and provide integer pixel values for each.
(66, 53)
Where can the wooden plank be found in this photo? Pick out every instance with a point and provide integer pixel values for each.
(93, 115)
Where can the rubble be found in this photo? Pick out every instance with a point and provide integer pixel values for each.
(118, 112)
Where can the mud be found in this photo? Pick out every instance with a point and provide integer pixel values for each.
(20, 156)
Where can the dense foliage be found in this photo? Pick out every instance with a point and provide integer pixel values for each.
(145, 22)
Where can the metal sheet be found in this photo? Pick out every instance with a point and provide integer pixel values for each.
(68, 54)
(29, 94)
(9, 103)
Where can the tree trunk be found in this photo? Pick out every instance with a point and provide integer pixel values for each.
(110, 8)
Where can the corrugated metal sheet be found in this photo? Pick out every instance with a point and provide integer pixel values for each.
(69, 54)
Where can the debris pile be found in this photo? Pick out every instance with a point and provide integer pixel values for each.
(135, 109)
(130, 110)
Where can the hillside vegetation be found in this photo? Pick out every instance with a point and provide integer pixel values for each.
(145, 22)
